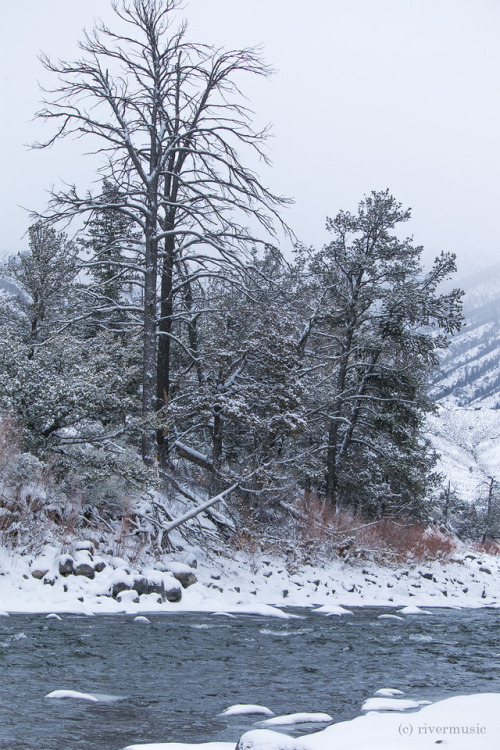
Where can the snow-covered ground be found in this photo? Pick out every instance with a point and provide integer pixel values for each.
(467, 722)
(244, 584)
(468, 441)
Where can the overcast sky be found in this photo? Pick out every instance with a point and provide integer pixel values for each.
(367, 94)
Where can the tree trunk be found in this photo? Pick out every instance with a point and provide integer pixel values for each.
(149, 379)
(164, 344)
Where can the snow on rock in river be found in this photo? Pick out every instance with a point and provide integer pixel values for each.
(388, 692)
(74, 694)
(388, 704)
(466, 722)
(246, 708)
(299, 718)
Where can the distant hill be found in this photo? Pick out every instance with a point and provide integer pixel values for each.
(469, 374)
(468, 442)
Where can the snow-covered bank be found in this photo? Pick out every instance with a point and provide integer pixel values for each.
(101, 583)
(468, 722)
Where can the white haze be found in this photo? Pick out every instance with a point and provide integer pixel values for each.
(367, 95)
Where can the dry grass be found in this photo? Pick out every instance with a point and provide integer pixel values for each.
(321, 527)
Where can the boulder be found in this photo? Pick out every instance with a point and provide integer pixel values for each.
(128, 597)
(166, 590)
(66, 565)
(84, 569)
(85, 544)
(173, 594)
(119, 587)
(39, 574)
(185, 579)
(99, 566)
(141, 585)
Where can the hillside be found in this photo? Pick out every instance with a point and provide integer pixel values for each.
(470, 370)
(468, 441)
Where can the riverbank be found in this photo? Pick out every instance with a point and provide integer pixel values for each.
(84, 579)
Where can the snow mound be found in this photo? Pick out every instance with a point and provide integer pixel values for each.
(413, 610)
(388, 704)
(388, 692)
(3, 613)
(264, 739)
(141, 618)
(74, 694)
(333, 609)
(247, 708)
(299, 718)
(390, 617)
(223, 614)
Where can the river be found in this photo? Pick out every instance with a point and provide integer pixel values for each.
(169, 680)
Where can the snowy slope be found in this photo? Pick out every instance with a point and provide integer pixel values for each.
(468, 441)
(469, 374)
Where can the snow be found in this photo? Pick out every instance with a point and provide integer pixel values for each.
(413, 610)
(468, 441)
(297, 718)
(388, 692)
(465, 722)
(141, 618)
(333, 609)
(388, 704)
(74, 694)
(243, 586)
(265, 739)
(390, 617)
(246, 708)
(52, 616)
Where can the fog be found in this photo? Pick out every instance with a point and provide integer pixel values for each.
(366, 95)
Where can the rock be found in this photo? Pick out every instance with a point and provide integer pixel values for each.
(140, 585)
(99, 566)
(66, 565)
(119, 587)
(86, 545)
(119, 563)
(39, 574)
(484, 569)
(173, 595)
(185, 579)
(428, 576)
(128, 597)
(84, 569)
(49, 581)
(163, 584)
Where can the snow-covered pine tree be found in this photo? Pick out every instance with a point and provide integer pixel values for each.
(369, 345)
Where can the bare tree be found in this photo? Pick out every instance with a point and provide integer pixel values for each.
(168, 118)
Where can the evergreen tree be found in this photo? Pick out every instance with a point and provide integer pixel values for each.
(370, 345)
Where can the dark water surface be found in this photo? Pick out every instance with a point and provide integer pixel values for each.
(174, 676)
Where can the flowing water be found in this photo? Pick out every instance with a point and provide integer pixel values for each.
(168, 681)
